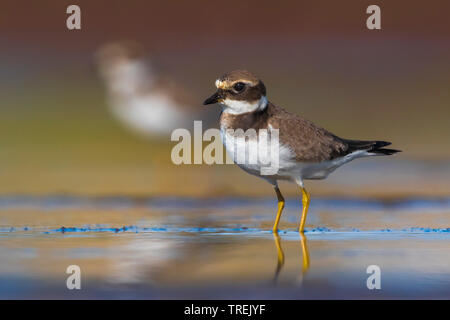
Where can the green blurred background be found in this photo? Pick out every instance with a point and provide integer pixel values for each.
(317, 59)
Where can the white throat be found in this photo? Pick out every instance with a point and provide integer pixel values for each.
(239, 106)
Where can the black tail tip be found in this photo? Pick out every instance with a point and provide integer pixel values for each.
(380, 144)
(386, 152)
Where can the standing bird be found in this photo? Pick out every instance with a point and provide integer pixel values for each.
(305, 151)
(141, 98)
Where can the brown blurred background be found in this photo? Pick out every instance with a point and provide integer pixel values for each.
(317, 59)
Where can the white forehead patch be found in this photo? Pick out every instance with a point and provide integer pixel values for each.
(220, 84)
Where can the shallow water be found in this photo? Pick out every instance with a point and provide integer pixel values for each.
(222, 248)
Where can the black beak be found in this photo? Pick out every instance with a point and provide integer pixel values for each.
(213, 99)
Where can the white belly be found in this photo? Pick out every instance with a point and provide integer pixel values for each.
(256, 156)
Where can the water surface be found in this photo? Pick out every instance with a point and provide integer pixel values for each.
(222, 248)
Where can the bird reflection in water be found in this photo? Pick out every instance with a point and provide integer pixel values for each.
(280, 255)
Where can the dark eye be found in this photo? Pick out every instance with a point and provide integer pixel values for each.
(238, 87)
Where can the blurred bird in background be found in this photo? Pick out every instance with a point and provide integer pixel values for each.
(143, 100)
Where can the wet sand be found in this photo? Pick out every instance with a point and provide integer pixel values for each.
(222, 248)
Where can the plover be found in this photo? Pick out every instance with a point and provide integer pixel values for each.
(141, 98)
(306, 151)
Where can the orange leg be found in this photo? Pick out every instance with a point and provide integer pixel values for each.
(280, 209)
(305, 202)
